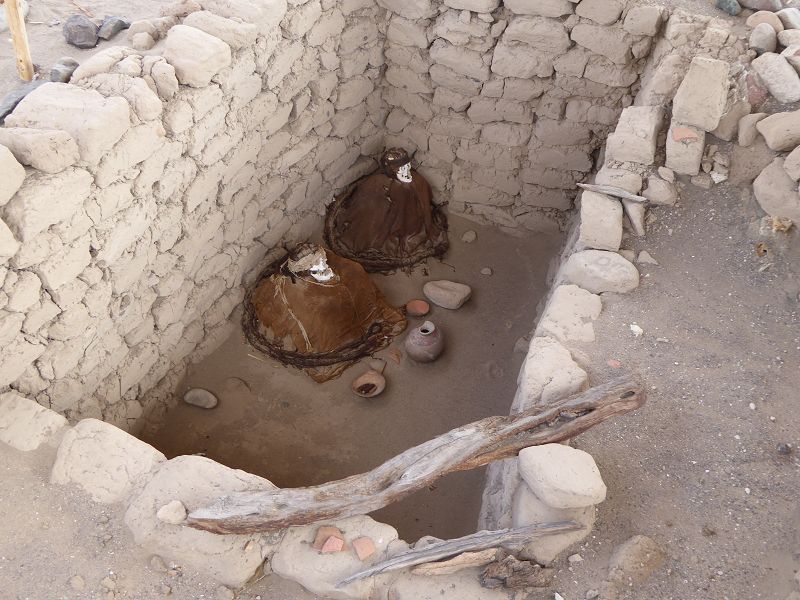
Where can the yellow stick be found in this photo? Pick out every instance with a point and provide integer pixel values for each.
(16, 24)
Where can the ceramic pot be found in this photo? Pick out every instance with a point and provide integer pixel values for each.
(425, 343)
(369, 385)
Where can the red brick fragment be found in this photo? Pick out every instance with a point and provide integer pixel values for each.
(364, 547)
(323, 533)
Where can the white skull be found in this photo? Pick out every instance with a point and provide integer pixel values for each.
(321, 271)
(404, 173)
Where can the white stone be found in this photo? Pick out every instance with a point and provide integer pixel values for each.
(200, 397)
(35, 207)
(26, 425)
(779, 76)
(48, 150)
(410, 9)
(600, 271)
(94, 122)
(548, 374)
(447, 294)
(660, 192)
(776, 192)
(514, 59)
(611, 42)
(763, 38)
(16, 357)
(562, 476)
(195, 55)
(196, 482)
(302, 19)
(600, 222)
(173, 513)
(634, 139)
(103, 460)
(295, 558)
(478, 6)
(781, 130)
(644, 20)
(747, 128)
(540, 33)
(462, 61)
(24, 293)
(64, 266)
(569, 315)
(621, 178)
(602, 12)
(265, 14)
(701, 98)
(527, 509)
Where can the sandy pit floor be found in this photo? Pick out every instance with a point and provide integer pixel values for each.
(276, 422)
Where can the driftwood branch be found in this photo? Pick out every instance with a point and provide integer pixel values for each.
(507, 538)
(611, 190)
(460, 449)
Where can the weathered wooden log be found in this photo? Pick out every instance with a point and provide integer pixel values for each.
(505, 538)
(460, 449)
(19, 38)
(611, 190)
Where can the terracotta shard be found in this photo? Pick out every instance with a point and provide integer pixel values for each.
(332, 544)
(325, 532)
(364, 547)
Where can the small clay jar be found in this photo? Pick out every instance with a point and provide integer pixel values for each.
(425, 343)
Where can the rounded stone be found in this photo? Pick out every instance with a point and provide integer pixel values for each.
(599, 271)
(765, 16)
(562, 476)
(447, 294)
(469, 236)
(763, 38)
(660, 192)
(732, 7)
(200, 397)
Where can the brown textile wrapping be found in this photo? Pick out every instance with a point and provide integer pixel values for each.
(385, 224)
(331, 325)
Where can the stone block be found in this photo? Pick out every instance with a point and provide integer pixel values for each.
(600, 222)
(266, 15)
(449, 79)
(602, 12)
(781, 131)
(780, 78)
(636, 135)
(8, 243)
(196, 482)
(13, 174)
(478, 6)
(94, 122)
(26, 425)
(514, 59)
(24, 293)
(551, 132)
(611, 42)
(353, 92)
(729, 123)
(234, 33)
(406, 79)
(569, 158)
(506, 134)
(599, 271)
(528, 509)
(601, 70)
(329, 26)
(562, 476)
(545, 35)
(545, 8)
(145, 102)
(776, 192)
(701, 98)
(300, 20)
(358, 36)
(34, 208)
(17, 356)
(49, 150)
(460, 60)
(410, 9)
(621, 178)
(644, 20)
(569, 314)
(406, 33)
(548, 374)
(296, 559)
(103, 460)
(195, 55)
(685, 145)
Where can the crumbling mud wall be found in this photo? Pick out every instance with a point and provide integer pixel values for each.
(136, 198)
(507, 104)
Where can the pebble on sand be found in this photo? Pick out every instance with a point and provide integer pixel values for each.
(487, 271)
(111, 26)
(417, 308)
(732, 7)
(173, 512)
(469, 237)
(447, 294)
(200, 397)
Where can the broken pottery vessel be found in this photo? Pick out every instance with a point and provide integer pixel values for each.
(425, 343)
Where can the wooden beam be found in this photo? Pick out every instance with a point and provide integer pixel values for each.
(506, 538)
(19, 37)
(460, 449)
